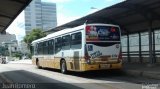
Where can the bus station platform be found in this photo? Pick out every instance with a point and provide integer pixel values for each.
(139, 21)
(142, 70)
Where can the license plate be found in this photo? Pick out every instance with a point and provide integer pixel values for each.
(104, 66)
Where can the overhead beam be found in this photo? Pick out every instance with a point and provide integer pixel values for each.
(143, 10)
(123, 14)
(132, 12)
(91, 20)
(135, 22)
(2, 25)
(18, 1)
(5, 16)
(16, 14)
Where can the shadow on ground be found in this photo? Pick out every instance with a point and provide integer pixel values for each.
(22, 79)
(109, 75)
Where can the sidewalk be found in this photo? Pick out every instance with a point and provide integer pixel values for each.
(26, 61)
(144, 70)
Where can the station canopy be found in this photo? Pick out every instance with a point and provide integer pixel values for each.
(131, 15)
(9, 10)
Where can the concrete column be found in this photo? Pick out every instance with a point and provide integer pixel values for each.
(154, 53)
(128, 49)
(140, 48)
(150, 44)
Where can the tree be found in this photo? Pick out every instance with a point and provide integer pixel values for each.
(17, 54)
(33, 35)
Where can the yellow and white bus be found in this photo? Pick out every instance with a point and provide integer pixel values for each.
(83, 48)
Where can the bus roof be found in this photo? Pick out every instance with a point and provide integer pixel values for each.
(102, 24)
(68, 30)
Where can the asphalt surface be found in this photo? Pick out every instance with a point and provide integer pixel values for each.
(28, 75)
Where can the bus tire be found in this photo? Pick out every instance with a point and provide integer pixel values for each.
(37, 64)
(63, 67)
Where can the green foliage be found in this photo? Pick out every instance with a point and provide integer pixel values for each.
(17, 54)
(30, 56)
(33, 35)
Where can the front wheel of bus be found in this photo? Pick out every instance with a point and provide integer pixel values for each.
(63, 67)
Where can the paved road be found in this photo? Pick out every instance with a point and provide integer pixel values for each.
(49, 78)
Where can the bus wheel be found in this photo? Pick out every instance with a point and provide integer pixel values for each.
(63, 67)
(37, 64)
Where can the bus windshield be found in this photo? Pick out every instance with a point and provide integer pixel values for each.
(102, 33)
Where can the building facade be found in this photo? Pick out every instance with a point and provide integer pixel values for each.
(23, 47)
(40, 15)
(7, 38)
(9, 43)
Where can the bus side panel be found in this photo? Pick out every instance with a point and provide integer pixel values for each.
(41, 60)
(45, 60)
(76, 55)
(51, 61)
(57, 60)
(33, 60)
(66, 55)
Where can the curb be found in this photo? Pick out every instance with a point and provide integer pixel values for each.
(145, 74)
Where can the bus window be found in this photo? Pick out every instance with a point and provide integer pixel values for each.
(76, 40)
(51, 46)
(58, 45)
(40, 48)
(45, 47)
(35, 49)
(66, 42)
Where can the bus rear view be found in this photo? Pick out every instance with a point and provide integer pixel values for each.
(102, 48)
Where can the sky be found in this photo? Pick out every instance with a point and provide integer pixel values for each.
(67, 10)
